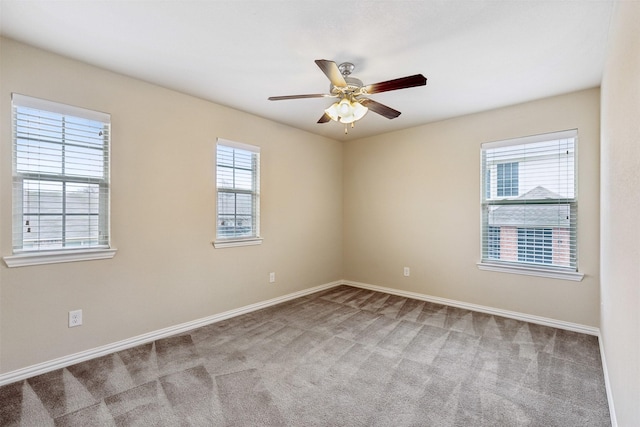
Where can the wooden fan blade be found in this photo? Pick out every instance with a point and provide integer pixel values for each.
(381, 109)
(312, 95)
(325, 118)
(395, 84)
(330, 69)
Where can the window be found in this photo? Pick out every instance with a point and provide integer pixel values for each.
(534, 245)
(529, 204)
(238, 194)
(60, 177)
(507, 179)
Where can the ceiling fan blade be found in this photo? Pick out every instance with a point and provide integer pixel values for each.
(395, 84)
(312, 95)
(381, 109)
(330, 69)
(325, 118)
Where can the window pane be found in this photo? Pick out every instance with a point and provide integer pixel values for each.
(243, 179)
(38, 125)
(520, 169)
(42, 232)
(243, 159)
(42, 197)
(244, 204)
(82, 198)
(225, 156)
(235, 215)
(81, 230)
(38, 156)
(82, 161)
(83, 132)
(225, 177)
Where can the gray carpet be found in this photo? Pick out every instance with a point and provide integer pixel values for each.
(341, 357)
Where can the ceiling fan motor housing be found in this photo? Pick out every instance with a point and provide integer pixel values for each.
(353, 87)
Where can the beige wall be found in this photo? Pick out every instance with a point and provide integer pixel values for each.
(166, 271)
(620, 206)
(412, 198)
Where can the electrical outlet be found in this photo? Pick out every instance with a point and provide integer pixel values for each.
(272, 277)
(75, 318)
(407, 272)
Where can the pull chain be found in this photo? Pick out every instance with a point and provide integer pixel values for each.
(346, 129)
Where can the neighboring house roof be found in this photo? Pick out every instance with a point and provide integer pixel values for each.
(539, 193)
(532, 215)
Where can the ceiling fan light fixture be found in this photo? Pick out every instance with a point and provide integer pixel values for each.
(346, 111)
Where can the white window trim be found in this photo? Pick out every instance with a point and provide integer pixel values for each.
(43, 104)
(53, 257)
(244, 241)
(563, 134)
(531, 271)
(232, 243)
(30, 258)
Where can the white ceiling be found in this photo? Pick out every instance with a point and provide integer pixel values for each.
(477, 55)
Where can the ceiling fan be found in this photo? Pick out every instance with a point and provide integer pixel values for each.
(352, 103)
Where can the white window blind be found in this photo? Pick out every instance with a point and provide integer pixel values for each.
(60, 176)
(529, 204)
(238, 191)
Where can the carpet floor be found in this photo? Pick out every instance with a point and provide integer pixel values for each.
(341, 357)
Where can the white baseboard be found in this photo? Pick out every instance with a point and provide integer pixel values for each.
(607, 385)
(52, 365)
(590, 330)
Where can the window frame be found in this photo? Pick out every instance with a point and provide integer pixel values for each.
(22, 256)
(254, 238)
(488, 238)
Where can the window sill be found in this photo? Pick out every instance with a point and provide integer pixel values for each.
(530, 271)
(54, 257)
(218, 244)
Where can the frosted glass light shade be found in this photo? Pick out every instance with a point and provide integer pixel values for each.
(359, 110)
(345, 111)
(333, 112)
